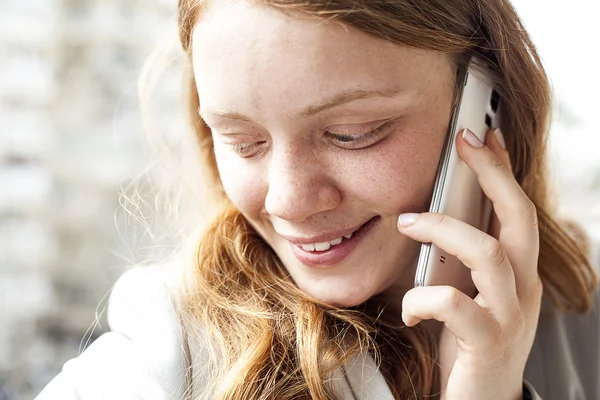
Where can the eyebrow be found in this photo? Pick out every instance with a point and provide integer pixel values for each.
(331, 102)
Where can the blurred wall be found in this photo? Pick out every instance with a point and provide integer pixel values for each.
(71, 138)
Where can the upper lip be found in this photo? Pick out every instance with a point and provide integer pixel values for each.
(324, 237)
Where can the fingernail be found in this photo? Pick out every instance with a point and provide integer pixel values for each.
(500, 138)
(405, 220)
(471, 138)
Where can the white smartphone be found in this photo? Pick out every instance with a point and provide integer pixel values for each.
(456, 191)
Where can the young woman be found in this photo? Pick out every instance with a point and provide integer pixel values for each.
(320, 124)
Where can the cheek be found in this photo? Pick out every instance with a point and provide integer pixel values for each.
(242, 181)
(399, 174)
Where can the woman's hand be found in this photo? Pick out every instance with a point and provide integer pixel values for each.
(486, 341)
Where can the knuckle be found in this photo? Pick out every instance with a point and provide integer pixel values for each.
(453, 299)
(494, 161)
(493, 249)
(440, 221)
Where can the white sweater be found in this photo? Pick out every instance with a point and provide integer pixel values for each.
(142, 356)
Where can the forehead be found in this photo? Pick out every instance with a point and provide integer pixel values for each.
(246, 51)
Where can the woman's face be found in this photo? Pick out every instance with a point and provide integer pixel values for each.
(322, 132)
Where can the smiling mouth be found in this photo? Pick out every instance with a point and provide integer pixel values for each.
(320, 254)
(326, 245)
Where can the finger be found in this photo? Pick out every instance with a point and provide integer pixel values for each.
(516, 213)
(495, 141)
(490, 267)
(466, 319)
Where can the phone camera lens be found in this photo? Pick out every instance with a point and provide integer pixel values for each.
(494, 101)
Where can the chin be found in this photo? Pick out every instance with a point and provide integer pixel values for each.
(342, 297)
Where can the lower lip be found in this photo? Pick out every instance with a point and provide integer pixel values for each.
(336, 253)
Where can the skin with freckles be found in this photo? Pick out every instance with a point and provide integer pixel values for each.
(296, 169)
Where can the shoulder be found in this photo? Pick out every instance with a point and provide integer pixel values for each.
(565, 359)
(142, 357)
(142, 303)
(142, 307)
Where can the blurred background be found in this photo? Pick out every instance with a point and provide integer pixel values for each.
(72, 142)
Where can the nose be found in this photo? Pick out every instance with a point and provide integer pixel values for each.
(300, 186)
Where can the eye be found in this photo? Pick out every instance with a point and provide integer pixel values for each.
(359, 140)
(246, 150)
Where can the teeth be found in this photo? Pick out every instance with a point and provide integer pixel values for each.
(308, 247)
(324, 245)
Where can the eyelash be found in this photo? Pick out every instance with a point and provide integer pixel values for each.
(355, 141)
(240, 148)
(348, 141)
